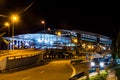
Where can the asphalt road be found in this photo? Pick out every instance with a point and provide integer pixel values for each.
(55, 70)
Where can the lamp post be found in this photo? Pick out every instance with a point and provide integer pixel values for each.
(43, 22)
(49, 38)
(7, 25)
(14, 19)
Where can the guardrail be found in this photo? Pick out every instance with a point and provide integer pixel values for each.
(84, 66)
(23, 60)
(76, 61)
(77, 76)
(11, 62)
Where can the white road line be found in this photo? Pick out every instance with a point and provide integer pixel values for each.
(74, 71)
(26, 78)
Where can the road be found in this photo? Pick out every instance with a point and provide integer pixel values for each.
(55, 70)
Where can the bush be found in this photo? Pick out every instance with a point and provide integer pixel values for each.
(117, 70)
(102, 76)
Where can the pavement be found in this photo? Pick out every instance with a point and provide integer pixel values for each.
(54, 70)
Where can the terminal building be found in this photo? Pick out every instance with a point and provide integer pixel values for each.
(58, 39)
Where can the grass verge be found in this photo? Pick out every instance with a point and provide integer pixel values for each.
(102, 76)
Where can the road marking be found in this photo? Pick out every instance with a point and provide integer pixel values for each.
(26, 78)
(42, 71)
(74, 71)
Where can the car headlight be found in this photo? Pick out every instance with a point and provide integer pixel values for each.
(101, 64)
(92, 64)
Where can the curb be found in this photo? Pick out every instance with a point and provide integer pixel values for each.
(77, 76)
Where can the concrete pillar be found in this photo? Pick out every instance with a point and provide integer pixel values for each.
(17, 43)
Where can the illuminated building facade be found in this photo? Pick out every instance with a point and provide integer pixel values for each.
(56, 39)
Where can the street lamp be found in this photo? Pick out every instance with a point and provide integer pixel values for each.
(43, 22)
(49, 37)
(14, 19)
(7, 25)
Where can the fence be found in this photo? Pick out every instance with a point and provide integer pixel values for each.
(11, 62)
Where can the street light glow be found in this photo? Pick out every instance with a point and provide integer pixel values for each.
(89, 46)
(59, 33)
(43, 22)
(15, 18)
(7, 24)
(75, 40)
(83, 45)
(49, 29)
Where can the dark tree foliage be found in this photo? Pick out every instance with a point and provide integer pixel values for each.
(118, 44)
(115, 48)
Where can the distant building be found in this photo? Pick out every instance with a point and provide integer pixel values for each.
(56, 39)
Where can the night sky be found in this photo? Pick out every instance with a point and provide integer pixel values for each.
(60, 15)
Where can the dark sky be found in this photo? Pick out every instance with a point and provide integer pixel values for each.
(61, 15)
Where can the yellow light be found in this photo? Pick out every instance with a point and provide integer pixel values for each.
(7, 24)
(43, 22)
(59, 33)
(89, 46)
(75, 40)
(49, 29)
(92, 47)
(15, 18)
(83, 45)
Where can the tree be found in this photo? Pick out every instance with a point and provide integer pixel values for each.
(115, 48)
(118, 43)
(3, 42)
